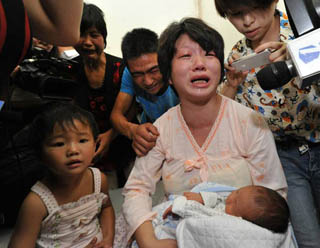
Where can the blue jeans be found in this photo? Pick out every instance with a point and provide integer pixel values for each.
(303, 177)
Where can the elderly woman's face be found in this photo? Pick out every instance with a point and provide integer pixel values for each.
(195, 73)
(91, 44)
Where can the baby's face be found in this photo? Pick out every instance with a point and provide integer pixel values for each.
(240, 202)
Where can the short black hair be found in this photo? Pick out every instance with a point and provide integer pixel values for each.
(93, 16)
(224, 7)
(137, 42)
(208, 38)
(61, 113)
(272, 210)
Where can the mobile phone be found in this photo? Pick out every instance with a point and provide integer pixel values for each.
(252, 61)
(1, 104)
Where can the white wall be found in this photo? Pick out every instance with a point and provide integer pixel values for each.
(124, 15)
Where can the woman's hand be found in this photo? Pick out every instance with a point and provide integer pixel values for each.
(104, 140)
(279, 50)
(146, 238)
(164, 243)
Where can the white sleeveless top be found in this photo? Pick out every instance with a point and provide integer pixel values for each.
(72, 224)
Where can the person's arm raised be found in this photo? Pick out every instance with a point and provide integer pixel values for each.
(233, 79)
(55, 21)
(144, 136)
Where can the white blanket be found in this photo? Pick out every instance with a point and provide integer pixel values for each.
(229, 232)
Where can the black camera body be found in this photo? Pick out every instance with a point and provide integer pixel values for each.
(50, 78)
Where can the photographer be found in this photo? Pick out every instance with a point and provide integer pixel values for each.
(54, 21)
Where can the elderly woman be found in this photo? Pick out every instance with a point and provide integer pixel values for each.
(208, 137)
(100, 78)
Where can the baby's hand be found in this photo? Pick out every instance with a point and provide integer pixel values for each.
(194, 197)
(167, 212)
(279, 50)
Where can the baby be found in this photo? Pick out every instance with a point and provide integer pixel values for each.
(257, 204)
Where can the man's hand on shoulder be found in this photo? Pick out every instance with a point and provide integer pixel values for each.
(144, 138)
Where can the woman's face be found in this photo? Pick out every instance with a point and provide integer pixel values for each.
(91, 44)
(195, 73)
(255, 23)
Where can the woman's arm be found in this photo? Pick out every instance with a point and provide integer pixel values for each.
(146, 238)
(55, 21)
(141, 184)
(28, 225)
(265, 165)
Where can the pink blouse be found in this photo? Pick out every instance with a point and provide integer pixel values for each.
(239, 151)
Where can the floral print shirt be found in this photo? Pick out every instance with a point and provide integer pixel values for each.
(288, 110)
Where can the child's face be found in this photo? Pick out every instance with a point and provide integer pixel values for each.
(240, 202)
(254, 23)
(69, 151)
(195, 73)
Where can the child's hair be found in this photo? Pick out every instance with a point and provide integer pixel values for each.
(272, 211)
(58, 113)
(137, 42)
(225, 7)
(92, 16)
(208, 38)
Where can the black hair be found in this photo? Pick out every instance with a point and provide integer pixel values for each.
(137, 42)
(208, 38)
(58, 113)
(92, 16)
(225, 7)
(272, 211)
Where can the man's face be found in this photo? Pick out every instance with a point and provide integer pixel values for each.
(145, 72)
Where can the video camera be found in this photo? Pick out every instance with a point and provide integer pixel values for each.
(304, 51)
(50, 78)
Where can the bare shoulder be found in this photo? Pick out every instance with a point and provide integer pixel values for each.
(28, 225)
(34, 205)
(104, 183)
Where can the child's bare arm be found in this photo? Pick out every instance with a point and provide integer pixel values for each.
(27, 228)
(107, 217)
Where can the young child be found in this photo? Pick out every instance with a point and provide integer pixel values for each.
(70, 206)
(291, 113)
(257, 204)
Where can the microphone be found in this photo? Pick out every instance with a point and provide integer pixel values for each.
(304, 64)
(276, 74)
